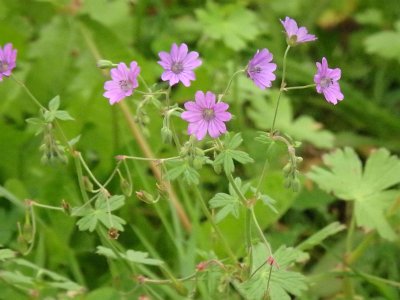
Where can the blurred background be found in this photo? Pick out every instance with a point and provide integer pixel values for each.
(59, 42)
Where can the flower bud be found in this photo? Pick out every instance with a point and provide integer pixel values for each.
(104, 64)
(145, 197)
(287, 169)
(113, 233)
(126, 187)
(87, 184)
(295, 185)
(166, 135)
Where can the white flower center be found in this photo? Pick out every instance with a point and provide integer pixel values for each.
(326, 82)
(3, 66)
(177, 67)
(208, 114)
(125, 85)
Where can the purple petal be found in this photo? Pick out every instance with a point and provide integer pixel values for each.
(213, 129)
(200, 99)
(210, 100)
(182, 52)
(192, 116)
(190, 105)
(174, 52)
(221, 107)
(223, 116)
(201, 130)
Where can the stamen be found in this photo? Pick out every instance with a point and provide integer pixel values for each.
(177, 67)
(208, 114)
(125, 85)
(326, 82)
(256, 69)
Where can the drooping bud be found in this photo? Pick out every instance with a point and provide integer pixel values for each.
(104, 64)
(145, 197)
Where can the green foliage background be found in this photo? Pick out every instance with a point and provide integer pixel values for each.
(58, 44)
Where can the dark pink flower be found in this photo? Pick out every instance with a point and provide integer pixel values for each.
(179, 64)
(296, 35)
(123, 82)
(261, 70)
(326, 81)
(8, 57)
(205, 115)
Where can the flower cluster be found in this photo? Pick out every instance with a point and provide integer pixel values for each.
(205, 114)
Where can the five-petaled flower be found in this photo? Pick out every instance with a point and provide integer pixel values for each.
(326, 81)
(123, 82)
(205, 115)
(8, 57)
(296, 35)
(261, 70)
(179, 64)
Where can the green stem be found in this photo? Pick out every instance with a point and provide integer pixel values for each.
(230, 83)
(144, 83)
(281, 88)
(259, 230)
(28, 92)
(214, 225)
(347, 282)
(32, 241)
(87, 169)
(299, 87)
(161, 160)
(47, 206)
(264, 170)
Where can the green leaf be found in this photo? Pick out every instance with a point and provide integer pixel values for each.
(385, 44)
(130, 255)
(102, 212)
(229, 154)
(283, 282)
(182, 168)
(75, 140)
(261, 110)
(63, 115)
(6, 254)
(347, 180)
(321, 235)
(233, 24)
(54, 103)
(228, 205)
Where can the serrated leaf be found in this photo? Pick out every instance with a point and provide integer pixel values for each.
(88, 222)
(228, 205)
(321, 235)
(63, 115)
(233, 24)
(347, 180)
(282, 281)
(54, 103)
(130, 255)
(142, 258)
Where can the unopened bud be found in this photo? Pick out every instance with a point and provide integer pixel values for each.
(126, 187)
(104, 64)
(67, 208)
(198, 162)
(287, 169)
(145, 197)
(201, 266)
(87, 184)
(113, 233)
(299, 159)
(295, 185)
(166, 135)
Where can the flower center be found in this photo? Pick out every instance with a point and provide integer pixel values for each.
(3, 66)
(256, 69)
(326, 82)
(177, 67)
(125, 85)
(208, 114)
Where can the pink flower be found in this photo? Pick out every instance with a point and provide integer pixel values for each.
(8, 57)
(296, 35)
(123, 82)
(326, 81)
(179, 64)
(261, 70)
(204, 115)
